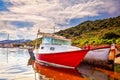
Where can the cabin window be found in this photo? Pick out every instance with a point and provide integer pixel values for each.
(60, 42)
(46, 40)
(54, 41)
(52, 48)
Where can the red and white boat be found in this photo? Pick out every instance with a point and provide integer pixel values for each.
(57, 51)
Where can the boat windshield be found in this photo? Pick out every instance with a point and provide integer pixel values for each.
(54, 41)
(46, 40)
(60, 42)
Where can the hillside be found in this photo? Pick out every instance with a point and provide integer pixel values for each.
(103, 31)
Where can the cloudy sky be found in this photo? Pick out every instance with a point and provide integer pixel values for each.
(22, 18)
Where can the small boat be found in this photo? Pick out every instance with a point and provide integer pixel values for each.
(57, 51)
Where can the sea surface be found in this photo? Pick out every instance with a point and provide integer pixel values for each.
(16, 64)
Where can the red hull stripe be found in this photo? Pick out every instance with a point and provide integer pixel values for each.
(72, 58)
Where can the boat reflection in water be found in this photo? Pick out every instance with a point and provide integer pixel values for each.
(83, 72)
(44, 72)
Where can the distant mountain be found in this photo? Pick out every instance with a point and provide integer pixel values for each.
(14, 41)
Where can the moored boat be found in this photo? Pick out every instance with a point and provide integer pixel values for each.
(57, 51)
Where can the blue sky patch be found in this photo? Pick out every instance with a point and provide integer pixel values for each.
(77, 21)
(4, 5)
(21, 24)
(2, 34)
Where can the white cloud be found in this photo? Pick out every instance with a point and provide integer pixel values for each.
(48, 13)
(20, 17)
(112, 6)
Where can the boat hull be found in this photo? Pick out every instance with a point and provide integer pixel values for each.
(98, 54)
(64, 59)
(99, 58)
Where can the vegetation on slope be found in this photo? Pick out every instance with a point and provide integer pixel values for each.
(34, 42)
(103, 31)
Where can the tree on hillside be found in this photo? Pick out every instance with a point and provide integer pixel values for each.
(110, 35)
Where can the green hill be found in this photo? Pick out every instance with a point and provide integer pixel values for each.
(103, 31)
(95, 32)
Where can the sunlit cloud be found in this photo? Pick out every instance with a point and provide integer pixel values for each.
(45, 14)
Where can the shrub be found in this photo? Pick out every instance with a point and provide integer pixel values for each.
(110, 35)
(118, 41)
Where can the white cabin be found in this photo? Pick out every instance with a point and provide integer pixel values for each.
(55, 44)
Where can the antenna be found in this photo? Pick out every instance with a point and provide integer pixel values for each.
(8, 37)
(53, 29)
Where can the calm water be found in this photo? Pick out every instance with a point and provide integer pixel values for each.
(16, 64)
(13, 64)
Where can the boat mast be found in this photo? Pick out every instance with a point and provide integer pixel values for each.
(53, 30)
(8, 46)
(37, 39)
